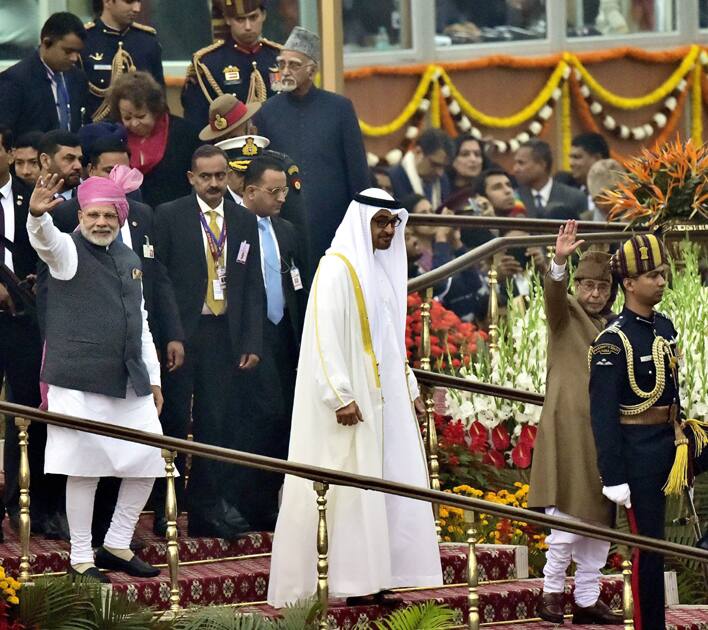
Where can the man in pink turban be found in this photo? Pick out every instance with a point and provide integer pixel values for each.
(100, 363)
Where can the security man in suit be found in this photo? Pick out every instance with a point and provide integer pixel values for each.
(20, 345)
(231, 128)
(264, 425)
(46, 90)
(635, 412)
(209, 246)
(115, 44)
(239, 64)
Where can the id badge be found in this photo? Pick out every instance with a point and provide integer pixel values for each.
(221, 277)
(297, 280)
(243, 252)
(218, 291)
(148, 251)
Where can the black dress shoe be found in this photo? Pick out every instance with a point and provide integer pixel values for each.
(92, 573)
(135, 566)
(199, 527)
(598, 613)
(56, 527)
(703, 542)
(551, 608)
(233, 518)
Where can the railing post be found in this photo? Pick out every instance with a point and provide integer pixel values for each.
(493, 311)
(171, 535)
(472, 576)
(322, 551)
(22, 425)
(430, 434)
(627, 600)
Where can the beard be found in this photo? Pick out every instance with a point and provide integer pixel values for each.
(102, 239)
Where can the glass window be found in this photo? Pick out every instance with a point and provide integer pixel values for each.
(465, 22)
(19, 28)
(703, 13)
(620, 17)
(378, 25)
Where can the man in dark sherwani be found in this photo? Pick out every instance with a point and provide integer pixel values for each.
(319, 130)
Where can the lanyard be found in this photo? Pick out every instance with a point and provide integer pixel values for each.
(216, 246)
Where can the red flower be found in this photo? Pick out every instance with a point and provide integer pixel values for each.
(478, 435)
(494, 458)
(528, 435)
(521, 455)
(500, 438)
(454, 434)
(453, 460)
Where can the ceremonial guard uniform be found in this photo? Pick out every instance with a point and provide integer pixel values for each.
(108, 53)
(635, 411)
(229, 67)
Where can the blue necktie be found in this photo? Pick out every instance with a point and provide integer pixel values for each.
(273, 282)
(63, 102)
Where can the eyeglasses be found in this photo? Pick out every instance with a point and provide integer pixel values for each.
(382, 224)
(591, 286)
(111, 217)
(274, 192)
(293, 66)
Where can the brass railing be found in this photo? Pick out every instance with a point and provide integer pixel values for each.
(322, 478)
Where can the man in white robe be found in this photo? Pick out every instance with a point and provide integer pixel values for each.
(100, 363)
(354, 411)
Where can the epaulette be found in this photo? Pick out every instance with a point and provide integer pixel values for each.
(663, 316)
(144, 27)
(272, 44)
(614, 326)
(207, 49)
(90, 25)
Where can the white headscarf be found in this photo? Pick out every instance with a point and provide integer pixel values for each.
(353, 240)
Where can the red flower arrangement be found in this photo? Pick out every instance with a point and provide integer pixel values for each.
(452, 341)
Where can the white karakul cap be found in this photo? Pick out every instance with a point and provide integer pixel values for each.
(304, 41)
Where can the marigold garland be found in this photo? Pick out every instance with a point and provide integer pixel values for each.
(588, 122)
(435, 106)
(697, 104)
(520, 117)
(621, 102)
(406, 114)
(566, 131)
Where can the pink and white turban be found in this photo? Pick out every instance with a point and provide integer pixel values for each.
(111, 190)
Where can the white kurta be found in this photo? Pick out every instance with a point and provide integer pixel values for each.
(375, 541)
(76, 453)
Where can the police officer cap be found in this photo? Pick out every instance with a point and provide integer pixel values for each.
(640, 254)
(236, 8)
(303, 41)
(594, 265)
(227, 112)
(241, 150)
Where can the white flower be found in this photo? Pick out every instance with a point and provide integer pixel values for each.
(445, 91)
(372, 159)
(424, 105)
(660, 120)
(682, 85)
(545, 112)
(648, 129)
(584, 91)
(394, 156)
(596, 108)
(578, 76)
(624, 132)
(514, 145)
(488, 419)
(454, 108)
(535, 128)
(466, 412)
(501, 146)
(638, 133)
(556, 94)
(412, 132)
(523, 137)
(609, 123)
(670, 103)
(566, 72)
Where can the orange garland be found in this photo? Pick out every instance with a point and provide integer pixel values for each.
(588, 121)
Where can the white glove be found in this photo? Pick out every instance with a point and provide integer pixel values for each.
(618, 494)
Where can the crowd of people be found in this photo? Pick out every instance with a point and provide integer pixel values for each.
(162, 272)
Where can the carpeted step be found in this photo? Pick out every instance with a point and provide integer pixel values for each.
(500, 602)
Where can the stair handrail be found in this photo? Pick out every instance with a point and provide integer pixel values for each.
(514, 223)
(337, 477)
(491, 247)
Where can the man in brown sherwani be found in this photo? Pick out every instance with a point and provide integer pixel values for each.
(564, 477)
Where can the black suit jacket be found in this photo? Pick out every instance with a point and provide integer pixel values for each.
(292, 254)
(24, 258)
(181, 249)
(160, 302)
(26, 99)
(561, 195)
